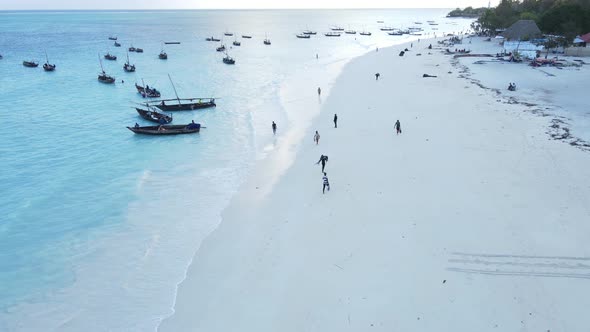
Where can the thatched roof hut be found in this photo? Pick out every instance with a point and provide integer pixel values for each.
(522, 30)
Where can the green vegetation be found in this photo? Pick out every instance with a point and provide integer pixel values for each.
(560, 17)
(467, 12)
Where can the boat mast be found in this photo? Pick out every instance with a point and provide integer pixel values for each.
(100, 61)
(174, 89)
(46, 57)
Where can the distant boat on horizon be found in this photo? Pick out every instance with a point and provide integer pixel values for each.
(246, 36)
(337, 28)
(309, 32)
(303, 36)
(332, 34)
(365, 33)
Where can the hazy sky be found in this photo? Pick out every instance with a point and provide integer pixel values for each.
(222, 4)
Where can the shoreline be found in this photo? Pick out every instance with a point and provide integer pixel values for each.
(277, 156)
(264, 263)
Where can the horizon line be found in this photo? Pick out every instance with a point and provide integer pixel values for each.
(193, 9)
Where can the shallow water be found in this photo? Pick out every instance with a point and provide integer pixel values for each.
(99, 224)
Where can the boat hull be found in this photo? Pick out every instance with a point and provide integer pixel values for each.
(154, 116)
(185, 107)
(165, 130)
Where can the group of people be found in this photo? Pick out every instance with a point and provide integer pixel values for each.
(323, 158)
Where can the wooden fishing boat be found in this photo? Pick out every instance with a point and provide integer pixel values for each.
(267, 41)
(395, 33)
(190, 128)
(127, 66)
(111, 57)
(332, 34)
(228, 60)
(221, 48)
(236, 43)
(186, 104)
(112, 38)
(103, 77)
(30, 64)
(365, 33)
(183, 104)
(350, 32)
(302, 35)
(163, 55)
(154, 116)
(337, 28)
(213, 39)
(139, 50)
(147, 92)
(246, 36)
(48, 67)
(387, 29)
(309, 32)
(229, 34)
(117, 44)
(132, 49)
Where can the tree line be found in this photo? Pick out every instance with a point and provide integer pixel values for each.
(558, 17)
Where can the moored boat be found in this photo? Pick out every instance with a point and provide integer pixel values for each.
(132, 49)
(111, 57)
(112, 38)
(154, 116)
(236, 43)
(228, 60)
(139, 50)
(147, 91)
(365, 33)
(127, 66)
(186, 104)
(163, 55)
(246, 36)
(302, 35)
(332, 34)
(117, 44)
(350, 32)
(48, 67)
(266, 41)
(30, 64)
(172, 43)
(190, 128)
(228, 34)
(103, 77)
(387, 28)
(309, 32)
(212, 39)
(220, 48)
(337, 28)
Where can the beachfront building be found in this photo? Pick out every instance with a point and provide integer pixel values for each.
(522, 30)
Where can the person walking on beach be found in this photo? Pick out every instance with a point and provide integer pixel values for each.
(335, 121)
(398, 127)
(319, 91)
(326, 183)
(323, 160)
(377, 76)
(316, 138)
(274, 128)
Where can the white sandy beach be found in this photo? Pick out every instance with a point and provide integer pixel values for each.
(473, 219)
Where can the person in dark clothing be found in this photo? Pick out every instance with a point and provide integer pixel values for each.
(398, 127)
(274, 128)
(319, 91)
(323, 160)
(335, 121)
(326, 183)
(377, 76)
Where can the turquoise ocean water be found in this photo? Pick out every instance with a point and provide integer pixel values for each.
(99, 225)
